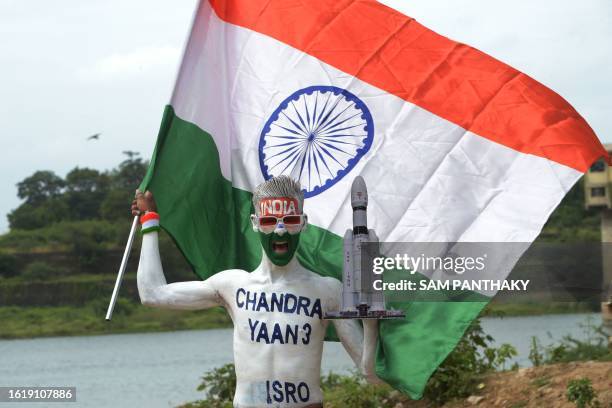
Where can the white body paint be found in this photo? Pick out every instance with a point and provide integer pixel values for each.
(258, 365)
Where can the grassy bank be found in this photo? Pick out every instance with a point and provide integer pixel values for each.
(25, 322)
(131, 317)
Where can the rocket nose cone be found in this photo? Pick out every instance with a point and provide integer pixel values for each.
(359, 193)
(358, 184)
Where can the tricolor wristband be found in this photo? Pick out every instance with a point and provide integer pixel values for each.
(149, 222)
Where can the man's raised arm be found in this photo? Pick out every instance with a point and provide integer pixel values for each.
(152, 286)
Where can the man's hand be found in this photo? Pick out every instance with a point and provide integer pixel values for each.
(143, 202)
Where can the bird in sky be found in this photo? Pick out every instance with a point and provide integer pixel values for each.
(94, 136)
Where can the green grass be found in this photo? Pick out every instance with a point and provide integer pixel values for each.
(25, 322)
(540, 381)
(83, 277)
(64, 236)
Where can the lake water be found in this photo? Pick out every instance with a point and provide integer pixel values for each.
(163, 369)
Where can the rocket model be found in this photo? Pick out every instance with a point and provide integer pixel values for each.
(359, 299)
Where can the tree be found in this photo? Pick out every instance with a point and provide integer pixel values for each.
(130, 172)
(39, 187)
(86, 181)
(124, 180)
(85, 194)
(85, 191)
(28, 216)
(116, 204)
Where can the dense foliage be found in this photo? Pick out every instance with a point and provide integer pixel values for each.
(83, 215)
(580, 391)
(571, 222)
(84, 194)
(458, 376)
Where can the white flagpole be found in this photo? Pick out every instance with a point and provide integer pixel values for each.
(126, 255)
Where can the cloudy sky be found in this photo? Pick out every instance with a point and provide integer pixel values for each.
(71, 68)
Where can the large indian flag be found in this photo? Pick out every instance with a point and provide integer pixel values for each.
(453, 144)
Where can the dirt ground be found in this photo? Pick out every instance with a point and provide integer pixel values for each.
(543, 386)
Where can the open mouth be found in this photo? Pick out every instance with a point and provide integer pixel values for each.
(280, 247)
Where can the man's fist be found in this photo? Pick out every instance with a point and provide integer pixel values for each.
(143, 202)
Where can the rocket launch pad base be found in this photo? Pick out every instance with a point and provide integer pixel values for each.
(370, 314)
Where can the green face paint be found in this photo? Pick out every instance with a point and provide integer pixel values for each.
(280, 249)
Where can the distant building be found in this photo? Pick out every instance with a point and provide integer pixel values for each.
(597, 184)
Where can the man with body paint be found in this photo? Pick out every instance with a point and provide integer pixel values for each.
(277, 309)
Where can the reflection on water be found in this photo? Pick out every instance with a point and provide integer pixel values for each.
(163, 369)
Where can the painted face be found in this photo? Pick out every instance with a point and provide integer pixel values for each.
(279, 225)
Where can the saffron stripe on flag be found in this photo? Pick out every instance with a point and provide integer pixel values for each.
(416, 158)
(393, 52)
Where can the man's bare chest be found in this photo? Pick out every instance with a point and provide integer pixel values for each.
(278, 315)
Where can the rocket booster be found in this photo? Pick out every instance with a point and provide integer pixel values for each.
(359, 300)
(358, 295)
(359, 202)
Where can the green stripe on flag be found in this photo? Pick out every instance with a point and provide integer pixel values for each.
(208, 218)
(209, 221)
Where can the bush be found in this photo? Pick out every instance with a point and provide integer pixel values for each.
(37, 271)
(88, 251)
(123, 307)
(536, 355)
(459, 375)
(353, 391)
(581, 393)
(8, 265)
(219, 386)
(33, 216)
(571, 349)
(116, 205)
(22, 240)
(65, 236)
